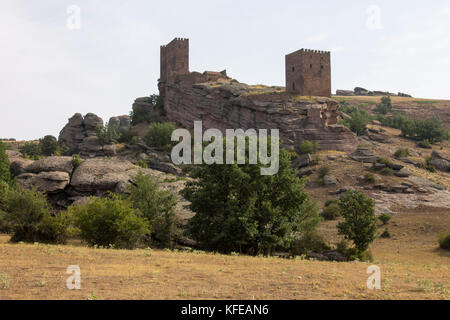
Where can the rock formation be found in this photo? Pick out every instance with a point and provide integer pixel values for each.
(80, 135)
(228, 104)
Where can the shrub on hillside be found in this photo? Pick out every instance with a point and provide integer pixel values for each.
(110, 222)
(29, 217)
(48, 145)
(385, 218)
(309, 242)
(4, 164)
(107, 135)
(331, 212)
(159, 135)
(402, 153)
(238, 209)
(427, 165)
(76, 161)
(370, 177)
(324, 171)
(308, 147)
(359, 223)
(358, 121)
(157, 206)
(31, 150)
(385, 106)
(444, 241)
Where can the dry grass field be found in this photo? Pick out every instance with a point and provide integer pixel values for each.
(412, 267)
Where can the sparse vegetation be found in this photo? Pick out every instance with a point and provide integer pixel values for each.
(385, 218)
(402, 153)
(159, 135)
(107, 135)
(308, 147)
(385, 106)
(76, 161)
(386, 234)
(141, 115)
(359, 223)
(370, 177)
(141, 163)
(110, 222)
(386, 171)
(359, 118)
(427, 165)
(444, 241)
(331, 211)
(31, 150)
(4, 164)
(323, 171)
(238, 209)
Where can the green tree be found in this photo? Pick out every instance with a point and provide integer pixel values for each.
(159, 134)
(238, 209)
(107, 134)
(31, 150)
(157, 206)
(359, 223)
(385, 106)
(358, 121)
(110, 221)
(48, 145)
(4, 164)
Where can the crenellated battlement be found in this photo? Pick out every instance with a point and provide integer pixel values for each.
(308, 73)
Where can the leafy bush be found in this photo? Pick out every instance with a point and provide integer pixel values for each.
(359, 223)
(359, 119)
(48, 145)
(157, 206)
(370, 177)
(385, 218)
(353, 253)
(110, 222)
(28, 216)
(238, 209)
(386, 171)
(308, 147)
(385, 234)
(385, 161)
(323, 171)
(331, 212)
(5, 175)
(126, 136)
(331, 201)
(385, 106)
(427, 165)
(309, 242)
(141, 163)
(159, 135)
(424, 144)
(402, 153)
(31, 150)
(107, 135)
(444, 241)
(76, 161)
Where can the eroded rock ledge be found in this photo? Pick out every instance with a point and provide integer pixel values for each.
(228, 104)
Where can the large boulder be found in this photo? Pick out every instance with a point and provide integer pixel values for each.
(345, 93)
(120, 123)
(361, 91)
(80, 135)
(63, 164)
(49, 182)
(100, 175)
(18, 164)
(439, 161)
(303, 161)
(365, 155)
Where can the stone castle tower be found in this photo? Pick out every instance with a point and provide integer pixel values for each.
(308, 73)
(174, 59)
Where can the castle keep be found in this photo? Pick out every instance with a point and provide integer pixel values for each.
(301, 111)
(308, 73)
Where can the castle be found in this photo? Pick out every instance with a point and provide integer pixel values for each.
(308, 72)
(301, 111)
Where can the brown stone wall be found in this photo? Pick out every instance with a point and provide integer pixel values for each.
(308, 73)
(174, 59)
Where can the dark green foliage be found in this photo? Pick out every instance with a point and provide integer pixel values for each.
(157, 206)
(385, 218)
(238, 209)
(140, 115)
(323, 171)
(31, 150)
(309, 242)
(48, 145)
(110, 222)
(4, 164)
(308, 147)
(402, 153)
(159, 135)
(359, 223)
(385, 234)
(353, 254)
(76, 161)
(444, 241)
(331, 212)
(107, 135)
(370, 177)
(359, 119)
(29, 218)
(385, 106)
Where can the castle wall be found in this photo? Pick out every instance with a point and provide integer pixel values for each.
(308, 73)
(174, 59)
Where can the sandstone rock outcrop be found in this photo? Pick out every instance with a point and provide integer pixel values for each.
(50, 182)
(80, 135)
(233, 105)
(63, 164)
(439, 161)
(120, 123)
(365, 155)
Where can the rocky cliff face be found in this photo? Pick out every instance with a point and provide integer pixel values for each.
(229, 104)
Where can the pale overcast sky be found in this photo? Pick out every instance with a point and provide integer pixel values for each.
(50, 71)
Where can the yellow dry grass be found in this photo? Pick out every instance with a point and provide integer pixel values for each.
(412, 268)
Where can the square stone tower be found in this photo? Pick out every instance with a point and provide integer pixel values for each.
(174, 59)
(308, 73)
